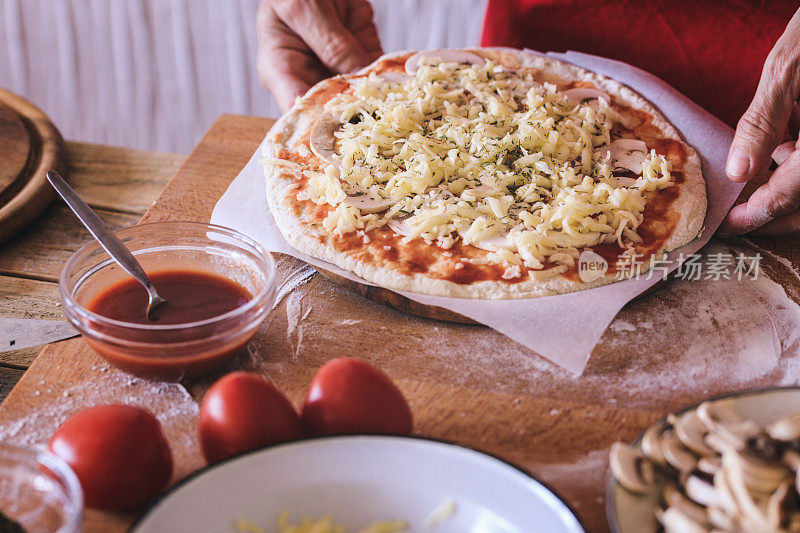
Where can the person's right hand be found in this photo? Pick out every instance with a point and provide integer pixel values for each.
(762, 136)
(301, 42)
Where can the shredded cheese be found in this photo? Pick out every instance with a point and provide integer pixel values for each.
(324, 524)
(487, 155)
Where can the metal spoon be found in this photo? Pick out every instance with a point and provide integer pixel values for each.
(106, 238)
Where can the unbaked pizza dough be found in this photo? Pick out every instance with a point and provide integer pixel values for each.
(482, 173)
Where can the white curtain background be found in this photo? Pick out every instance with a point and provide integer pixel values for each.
(154, 74)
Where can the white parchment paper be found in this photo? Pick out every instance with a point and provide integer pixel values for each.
(563, 328)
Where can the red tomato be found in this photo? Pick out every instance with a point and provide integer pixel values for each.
(119, 454)
(351, 396)
(241, 412)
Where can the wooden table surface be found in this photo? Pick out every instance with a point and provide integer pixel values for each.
(467, 384)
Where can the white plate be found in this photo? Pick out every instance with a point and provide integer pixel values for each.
(634, 513)
(359, 480)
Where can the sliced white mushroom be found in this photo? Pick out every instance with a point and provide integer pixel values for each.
(399, 225)
(726, 498)
(785, 429)
(709, 465)
(722, 445)
(714, 414)
(673, 497)
(726, 428)
(581, 95)
(777, 506)
(446, 56)
(732, 437)
(628, 145)
(322, 140)
(368, 205)
(753, 513)
(691, 431)
(651, 444)
(676, 520)
(623, 181)
(792, 459)
(677, 455)
(701, 490)
(493, 244)
(755, 520)
(720, 519)
(625, 153)
(631, 469)
(757, 475)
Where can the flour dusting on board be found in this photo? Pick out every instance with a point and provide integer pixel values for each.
(294, 279)
(296, 313)
(741, 331)
(686, 340)
(179, 418)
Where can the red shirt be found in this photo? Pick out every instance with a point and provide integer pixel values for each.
(712, 51)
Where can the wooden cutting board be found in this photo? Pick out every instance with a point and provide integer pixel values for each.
(29, 146)
(466, 383)
(396, 301)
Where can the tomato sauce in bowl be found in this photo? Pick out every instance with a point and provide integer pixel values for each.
(190, 297)
(219, 286)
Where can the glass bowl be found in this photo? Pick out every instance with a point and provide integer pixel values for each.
(39, 491)
(171, 352)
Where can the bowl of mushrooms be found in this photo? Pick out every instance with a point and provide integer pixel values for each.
(726, 464)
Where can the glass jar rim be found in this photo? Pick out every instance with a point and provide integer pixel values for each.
(63, 473)
(257, 299)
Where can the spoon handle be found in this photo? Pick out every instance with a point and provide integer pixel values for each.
(98, 229)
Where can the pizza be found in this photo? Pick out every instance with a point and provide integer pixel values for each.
(481, 173)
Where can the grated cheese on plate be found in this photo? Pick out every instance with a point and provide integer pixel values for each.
(324, 524)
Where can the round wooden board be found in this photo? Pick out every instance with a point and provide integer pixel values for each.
(397, 301)
(29, 146)
(401, 303)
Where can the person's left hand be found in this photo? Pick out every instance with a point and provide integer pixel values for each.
(301, 42)
(761, 135)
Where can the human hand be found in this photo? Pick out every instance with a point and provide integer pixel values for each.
(301, 42)
(762, 135)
